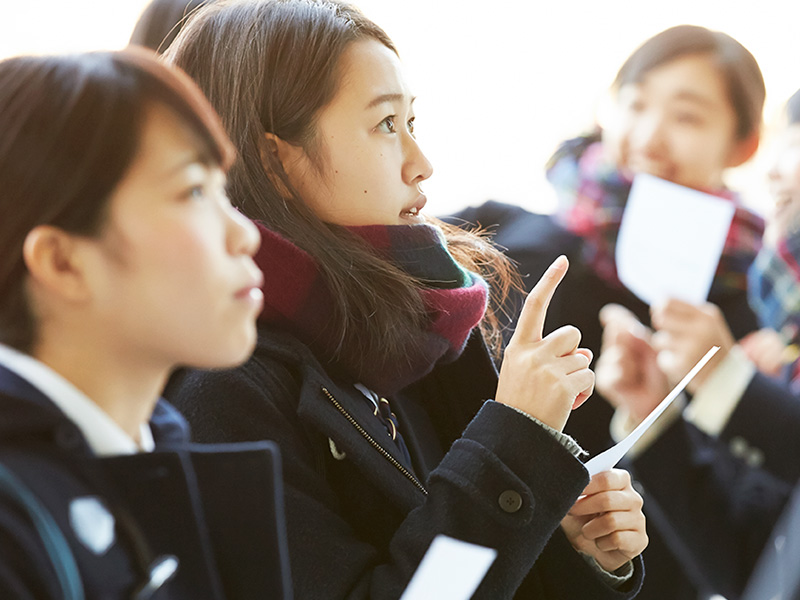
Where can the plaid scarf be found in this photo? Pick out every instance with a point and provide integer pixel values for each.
(592, 195)
(774, 290)
(297, 300)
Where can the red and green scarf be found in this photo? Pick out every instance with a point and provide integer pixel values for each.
(297, 300)
(592, 195)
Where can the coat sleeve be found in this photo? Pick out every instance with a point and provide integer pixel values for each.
(500, 451)
(718, 510)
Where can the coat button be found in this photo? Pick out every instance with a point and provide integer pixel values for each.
(510, 501)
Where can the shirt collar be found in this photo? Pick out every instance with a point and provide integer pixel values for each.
(104, 436)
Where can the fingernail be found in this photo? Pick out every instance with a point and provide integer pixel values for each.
(557, 263)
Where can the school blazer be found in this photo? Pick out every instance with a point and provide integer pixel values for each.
(533, 241)
(719, 499)
(360, 516)
(183, 522)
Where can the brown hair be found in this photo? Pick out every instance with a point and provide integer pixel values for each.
(270, 66)
(71, 127)
(161, 21)
(737, 66)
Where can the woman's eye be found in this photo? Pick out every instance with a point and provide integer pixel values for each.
(387, 125)
(410, 125)
(636, 106)
(196, 192)
(688, 118)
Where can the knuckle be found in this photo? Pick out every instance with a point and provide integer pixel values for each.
(607, 503)
(572, 333)
(533, 303)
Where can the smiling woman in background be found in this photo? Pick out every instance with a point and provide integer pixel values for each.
(121, 260)
(686, 106)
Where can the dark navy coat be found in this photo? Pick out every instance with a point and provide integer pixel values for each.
(214, 512)
(534, 241)
(360, 516)
(722, 497)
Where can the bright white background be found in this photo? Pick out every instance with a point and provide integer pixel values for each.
(499, 82)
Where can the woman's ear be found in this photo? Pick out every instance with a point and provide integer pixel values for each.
(279, 158)
(53, 263)
(744, 149)
(277, 148)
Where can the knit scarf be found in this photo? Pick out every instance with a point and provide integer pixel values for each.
(297, 300)
(592, 195)
(774, 290)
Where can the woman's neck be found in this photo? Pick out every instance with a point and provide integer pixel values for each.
(126, 390)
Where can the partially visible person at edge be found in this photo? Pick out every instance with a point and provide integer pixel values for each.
(122, 259)
(371, 369)
(721, 467)
(161, 21)
(686, 106)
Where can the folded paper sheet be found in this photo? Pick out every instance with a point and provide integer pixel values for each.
(670, 240)
(450, 570)
(608, 459)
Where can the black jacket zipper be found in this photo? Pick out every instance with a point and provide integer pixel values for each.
(375, 444)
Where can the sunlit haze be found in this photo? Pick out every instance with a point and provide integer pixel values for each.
(499, 84)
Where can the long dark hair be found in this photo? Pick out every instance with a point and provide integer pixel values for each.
(71, 127)
(735, 63)
(270, 66)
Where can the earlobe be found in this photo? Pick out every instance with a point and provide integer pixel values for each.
(49, 254)
(745, 149)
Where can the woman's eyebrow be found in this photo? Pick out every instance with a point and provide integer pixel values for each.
(184, 162)
(695, 98)
(389, 98)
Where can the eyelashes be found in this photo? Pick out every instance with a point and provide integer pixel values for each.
(387, 125)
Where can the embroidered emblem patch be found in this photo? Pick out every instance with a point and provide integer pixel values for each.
(92, 523)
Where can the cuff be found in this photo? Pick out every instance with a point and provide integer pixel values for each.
(622, 425)
(614, 579)
(562, 438)
(715, 401)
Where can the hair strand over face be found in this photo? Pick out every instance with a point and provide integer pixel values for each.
(270, 67)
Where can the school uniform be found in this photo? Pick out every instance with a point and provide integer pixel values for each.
(718, 473)
(85, 512)
(717, 510)
(361, 512)
(533, 241)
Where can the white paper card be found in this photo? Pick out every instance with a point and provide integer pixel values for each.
(670, 240)
(608, 460)
(450, 570)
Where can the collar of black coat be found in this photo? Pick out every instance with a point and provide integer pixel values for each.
(455, 390)
(27, 415)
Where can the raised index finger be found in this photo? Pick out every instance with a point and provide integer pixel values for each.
(531, 320)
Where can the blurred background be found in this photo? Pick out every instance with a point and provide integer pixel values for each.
(499, 83)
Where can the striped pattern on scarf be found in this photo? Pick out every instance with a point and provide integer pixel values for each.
(298, 300)
(592, 195)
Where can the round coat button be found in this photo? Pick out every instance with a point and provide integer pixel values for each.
(510, 501)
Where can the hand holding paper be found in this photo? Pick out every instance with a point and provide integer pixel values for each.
(608, 459)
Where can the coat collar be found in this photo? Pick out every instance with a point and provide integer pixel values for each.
(26, 414)
(338, 411)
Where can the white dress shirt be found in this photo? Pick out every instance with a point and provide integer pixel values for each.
(104, 436)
